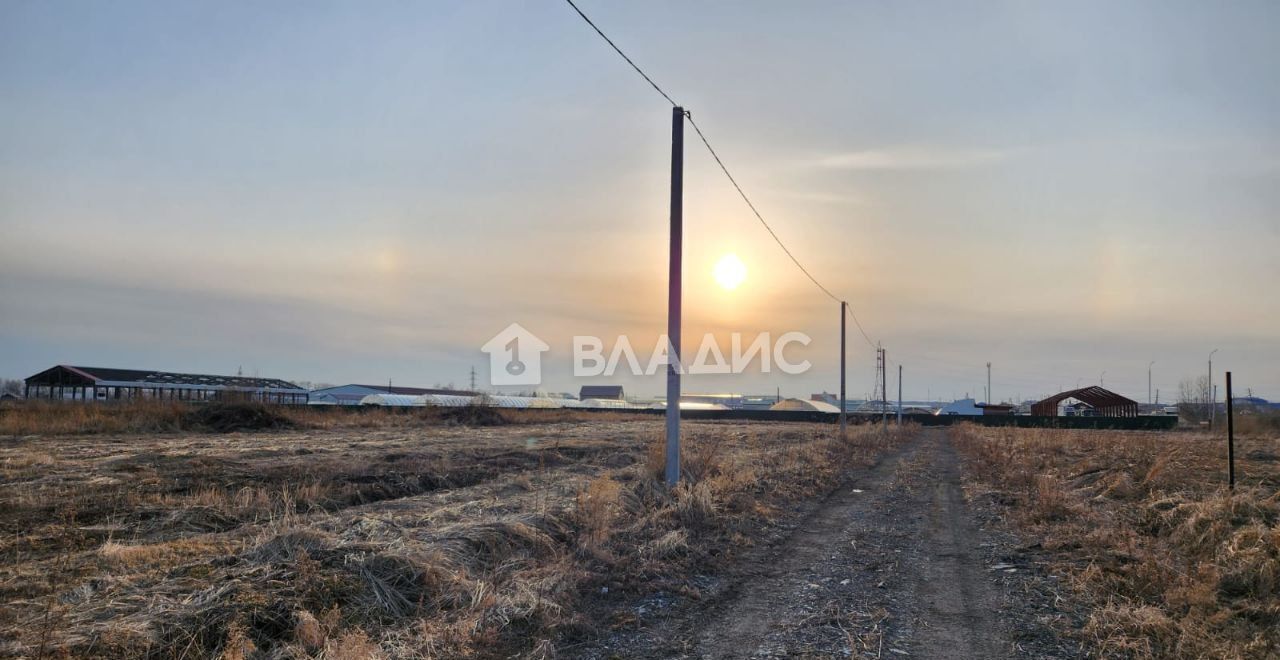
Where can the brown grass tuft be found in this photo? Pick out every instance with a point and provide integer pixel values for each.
(1172, 564)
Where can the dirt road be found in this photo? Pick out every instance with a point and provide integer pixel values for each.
(893, 564)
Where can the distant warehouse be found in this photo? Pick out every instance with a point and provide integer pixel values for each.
(352, 395)
(102, 384)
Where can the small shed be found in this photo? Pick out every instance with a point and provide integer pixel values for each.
(998, 409)
(1104, 403)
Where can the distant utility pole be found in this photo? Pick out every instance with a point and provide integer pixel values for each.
(1213, 396)
(989, 397)
(899, 395)
(388, 386)
(884, 387)
(674, 282)
(473, 378)
(1149, 381)
(843, 422)
(1102, 379)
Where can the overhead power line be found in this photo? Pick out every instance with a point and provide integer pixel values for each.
(725, 169)
(624, 55)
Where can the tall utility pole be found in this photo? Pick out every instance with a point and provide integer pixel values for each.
(1208, 390)
(674, 281)
(843, 422)
(1153, 362)
(473, 378)
(884, 387)
(899, 395)
(989, 397)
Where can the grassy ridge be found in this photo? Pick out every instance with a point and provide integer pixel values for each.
(143, 416)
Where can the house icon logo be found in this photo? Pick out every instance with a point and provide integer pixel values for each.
(515, 357)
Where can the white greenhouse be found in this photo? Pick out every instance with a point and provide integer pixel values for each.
(803, 404)
(394, 400)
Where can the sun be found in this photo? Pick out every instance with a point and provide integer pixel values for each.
(730, 272)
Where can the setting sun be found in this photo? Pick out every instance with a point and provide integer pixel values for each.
(730, 272)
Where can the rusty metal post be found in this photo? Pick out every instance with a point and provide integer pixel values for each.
(1231, 439)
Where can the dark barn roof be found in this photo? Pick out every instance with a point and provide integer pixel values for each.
(68, 375)
(1105, 403)
(601, 392)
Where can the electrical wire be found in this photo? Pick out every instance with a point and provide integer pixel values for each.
(725, 169)
(624, 55)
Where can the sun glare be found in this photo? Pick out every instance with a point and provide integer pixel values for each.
(730, 272)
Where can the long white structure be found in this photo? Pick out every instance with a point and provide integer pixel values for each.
(495, 401)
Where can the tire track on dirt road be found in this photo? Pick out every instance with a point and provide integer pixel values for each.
(891, 565)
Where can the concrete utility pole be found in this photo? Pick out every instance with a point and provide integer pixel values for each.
(989, 397)
(1213, 397)
(1102, 379)
(899, 395)
(843, 422)
(674, 283)
(884, 387)
(1149, 381)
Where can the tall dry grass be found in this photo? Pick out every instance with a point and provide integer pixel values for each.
(510, 549)
(144, 416)
(1170, 562)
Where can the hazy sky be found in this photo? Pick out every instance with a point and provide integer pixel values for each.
(360, 191)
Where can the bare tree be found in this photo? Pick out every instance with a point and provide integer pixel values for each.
(11, 386)
(1193, 399)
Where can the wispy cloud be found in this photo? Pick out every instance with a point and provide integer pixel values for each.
(820, 197)
(913, 158)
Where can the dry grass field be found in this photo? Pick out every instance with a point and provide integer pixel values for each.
(1141, 526)
(126, 533)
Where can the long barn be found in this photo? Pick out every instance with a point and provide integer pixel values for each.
(65, 382)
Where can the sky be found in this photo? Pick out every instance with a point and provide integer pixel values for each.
(356, 192)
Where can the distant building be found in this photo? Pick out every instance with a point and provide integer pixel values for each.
(65, 382)
(961, 407)
(801, 404)
(1086, 402)
(758, 402)
(997, 409)
(850, 405)
(729, 401)
(603, 392)
(352, 395)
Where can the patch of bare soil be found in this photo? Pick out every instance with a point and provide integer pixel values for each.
(892, 564)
